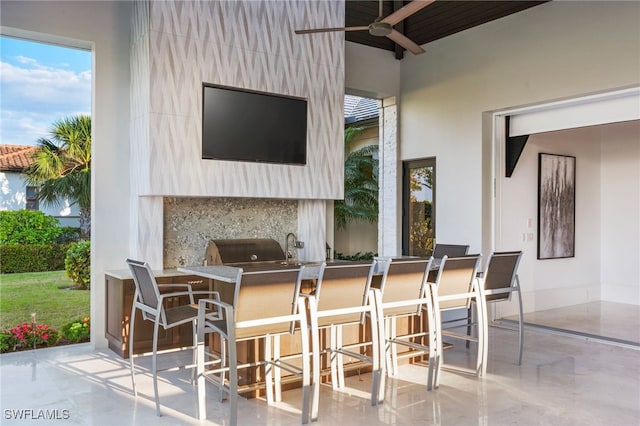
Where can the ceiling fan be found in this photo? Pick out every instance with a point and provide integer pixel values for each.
(383, 27)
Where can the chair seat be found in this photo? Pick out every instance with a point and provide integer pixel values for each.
(180, 314)
(219, 326)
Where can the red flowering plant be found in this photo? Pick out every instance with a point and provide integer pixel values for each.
(25, 336)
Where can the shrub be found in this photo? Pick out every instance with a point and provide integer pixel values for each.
(78, 263)
(26, 336)
(354, 257)
(78, 330)
(32, 257)
(7, 341)
(28, 227)
(69, 235)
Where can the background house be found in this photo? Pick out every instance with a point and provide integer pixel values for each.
(150, 59)
(15, 194)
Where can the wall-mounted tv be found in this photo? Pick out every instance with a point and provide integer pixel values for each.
(245, 125)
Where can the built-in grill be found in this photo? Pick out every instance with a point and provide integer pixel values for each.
(250, 250)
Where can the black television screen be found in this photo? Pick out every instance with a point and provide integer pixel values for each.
(245, 125)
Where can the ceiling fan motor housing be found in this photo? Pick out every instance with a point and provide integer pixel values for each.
(380, 29)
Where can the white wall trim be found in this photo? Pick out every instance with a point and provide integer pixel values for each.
(602, 108)
(544, 115)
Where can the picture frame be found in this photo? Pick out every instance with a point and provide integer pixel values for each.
(556, 206)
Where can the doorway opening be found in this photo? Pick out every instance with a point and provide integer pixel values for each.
(46, 108)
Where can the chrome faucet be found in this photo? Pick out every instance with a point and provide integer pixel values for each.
(287, 252)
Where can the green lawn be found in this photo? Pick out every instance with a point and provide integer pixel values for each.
(45, 294)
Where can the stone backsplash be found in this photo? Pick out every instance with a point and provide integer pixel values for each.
(189, 224)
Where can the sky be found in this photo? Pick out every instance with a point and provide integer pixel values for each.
(39, 85)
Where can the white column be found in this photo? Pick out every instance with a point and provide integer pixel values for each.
(390, 193)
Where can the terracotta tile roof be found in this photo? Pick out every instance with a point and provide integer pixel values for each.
(16, 158)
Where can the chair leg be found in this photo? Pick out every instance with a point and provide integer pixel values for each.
(278, 370)
(154, 366)
(520, 323)
(223, 363)
(469, 322)
(306, 367)
(202, 407)
(195, 352)
(480, 365)
(233, 382)
(132, 320)
(315, 360)
(437, 365)
(377, 341)
(268, 367)
(340, 358)
(333, 355)
(394, 348)
(431, 336)
(388, 346)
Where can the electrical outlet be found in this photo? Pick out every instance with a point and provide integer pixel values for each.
(299, 244)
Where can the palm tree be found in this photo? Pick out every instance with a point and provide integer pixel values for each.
(360, 183)
(62, 167)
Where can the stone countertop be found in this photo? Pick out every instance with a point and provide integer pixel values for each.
(125, 274)
(228, 273)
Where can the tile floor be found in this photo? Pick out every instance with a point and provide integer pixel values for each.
(616, 322)
(563, 380)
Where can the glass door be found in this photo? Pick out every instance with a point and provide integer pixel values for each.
(418, 207)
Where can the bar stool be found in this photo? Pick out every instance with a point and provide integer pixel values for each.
(265, 304)
(456, 287)
(148, 299)
(344, 296)
(406, 294)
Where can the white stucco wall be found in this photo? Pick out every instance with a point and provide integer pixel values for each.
(13, 197)
(620, 212)
(546, 283)
(12, 191)
(553, 51)
(102, 27)
(371, 72)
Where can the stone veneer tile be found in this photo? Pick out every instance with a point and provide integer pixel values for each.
(189, 224)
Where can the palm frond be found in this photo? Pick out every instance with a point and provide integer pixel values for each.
(360, 201)
(62, 164)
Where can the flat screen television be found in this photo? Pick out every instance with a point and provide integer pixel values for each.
(245, 125)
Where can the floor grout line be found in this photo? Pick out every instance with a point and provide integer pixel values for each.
(577, 334)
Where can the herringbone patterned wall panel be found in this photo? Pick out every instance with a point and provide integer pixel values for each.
(248, 45)
(178, 45)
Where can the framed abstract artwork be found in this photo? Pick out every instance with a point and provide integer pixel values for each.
(556, 206)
